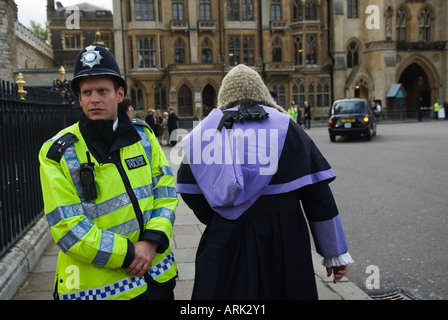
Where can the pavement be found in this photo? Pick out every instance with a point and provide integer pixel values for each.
(27, 270)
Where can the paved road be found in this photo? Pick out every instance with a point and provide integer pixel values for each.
(392, 193)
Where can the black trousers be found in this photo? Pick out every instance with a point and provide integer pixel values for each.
(158, 291)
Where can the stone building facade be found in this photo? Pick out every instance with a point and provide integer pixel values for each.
(177, 52)
(407, 42)
(20, 48)
(72, 28)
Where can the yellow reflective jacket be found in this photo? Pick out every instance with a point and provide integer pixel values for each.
(95, 237)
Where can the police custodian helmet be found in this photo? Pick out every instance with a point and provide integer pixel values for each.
(96, 61)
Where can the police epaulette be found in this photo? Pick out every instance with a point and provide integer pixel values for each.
(140, 122)
(59, 146)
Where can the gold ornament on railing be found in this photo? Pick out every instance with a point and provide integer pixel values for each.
(20, 82)
(62, 73)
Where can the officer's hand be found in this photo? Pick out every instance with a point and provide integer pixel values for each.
(338, 272)
(144, 253)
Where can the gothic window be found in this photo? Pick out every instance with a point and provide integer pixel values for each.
(159, 97)
(297, 9)
(277, 50)
(185, 101)
(281, 94)
(352, 54)
(401, 25)
(207, 51)
(72, 41)
(178, 10)
(304, 11)
(352, 9)
(179, 51)
(298, 92)
(144, 10)
(323, 93)
(311, 95)
(298, 51)
(248, 51)
(234, 51)
(204, 10)
(247, 10)
(310, 10)
(137, 97)
(233, 13)
(235, 7)
(146, 52)
(425, 25)
(152, 53)
(311, 50)
(276, 10)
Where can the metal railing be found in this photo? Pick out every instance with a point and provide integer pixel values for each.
(24, 126)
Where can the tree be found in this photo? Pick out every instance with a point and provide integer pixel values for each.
(38, 30)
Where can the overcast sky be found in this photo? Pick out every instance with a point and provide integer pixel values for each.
(37, 9)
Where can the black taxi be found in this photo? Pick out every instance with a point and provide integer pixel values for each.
(352, 117)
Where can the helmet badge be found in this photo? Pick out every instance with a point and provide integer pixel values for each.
(91, 57)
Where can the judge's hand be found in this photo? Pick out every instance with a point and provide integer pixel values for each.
(144, 254)
(338, 272)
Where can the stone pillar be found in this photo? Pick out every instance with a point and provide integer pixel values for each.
(8, 46)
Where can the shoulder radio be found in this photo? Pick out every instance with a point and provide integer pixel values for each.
(87, 175)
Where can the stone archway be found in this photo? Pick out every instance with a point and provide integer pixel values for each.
(208, 99)
(362, 89)
(410, 81)
(408, 74)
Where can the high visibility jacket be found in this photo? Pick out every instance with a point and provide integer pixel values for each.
(293, 112)
(95, 237)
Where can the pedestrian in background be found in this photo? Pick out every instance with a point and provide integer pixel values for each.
(126, 106)
(151, 120)
(172, 126)
(445, 107)
(256, 243)
(293, 111)
(159, 127)
(165, 135)
(436, 110)
(307, 115)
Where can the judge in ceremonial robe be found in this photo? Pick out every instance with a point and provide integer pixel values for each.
(256, 180)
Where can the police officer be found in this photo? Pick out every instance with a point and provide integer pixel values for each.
(109, 195)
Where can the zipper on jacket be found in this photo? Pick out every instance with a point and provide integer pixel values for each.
(130, 192)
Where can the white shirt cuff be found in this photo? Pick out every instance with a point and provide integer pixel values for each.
(338, 261)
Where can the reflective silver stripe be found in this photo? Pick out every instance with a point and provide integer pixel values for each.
(93, 210)
(105, 250)
(166, 170)
(146, 143)
(75, 234)
(164, 213)
(64, 212)
(73, 165)
(165, 192)
(131, 225)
